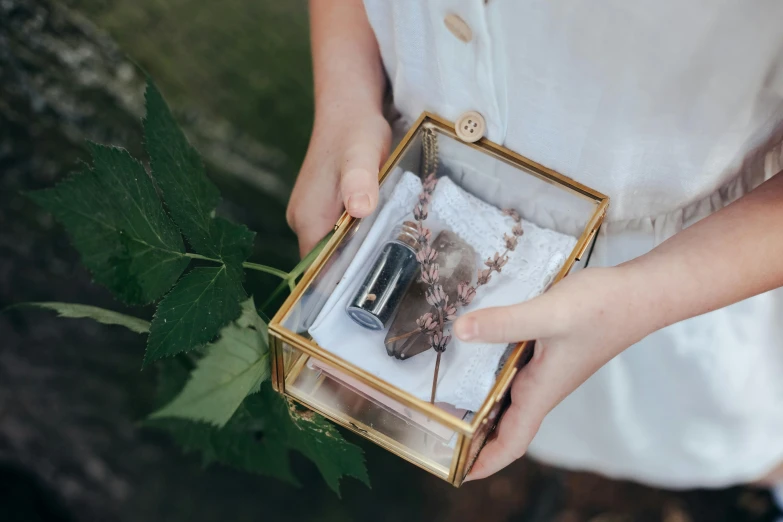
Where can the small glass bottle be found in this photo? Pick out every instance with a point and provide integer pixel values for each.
(375, 303)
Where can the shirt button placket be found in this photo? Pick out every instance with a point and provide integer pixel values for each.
(463, 60)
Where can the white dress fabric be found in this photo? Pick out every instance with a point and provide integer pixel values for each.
(673, 108)
(468, 370)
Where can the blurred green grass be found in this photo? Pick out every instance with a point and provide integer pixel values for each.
(244, 61)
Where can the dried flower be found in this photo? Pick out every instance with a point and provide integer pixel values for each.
(420, 212)
(427, 323)
(465, 293)
(513, 214)
(432, 323)
(426, 255)
(423, 234)
(497, 262)
(429, 274)
(438, 341)
(449, 312)
(436, 296)
(429, 184)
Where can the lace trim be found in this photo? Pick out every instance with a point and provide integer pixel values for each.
(539, 256)
(469, 371)
(486, 226)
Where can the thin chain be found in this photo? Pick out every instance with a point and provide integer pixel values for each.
(430, 145)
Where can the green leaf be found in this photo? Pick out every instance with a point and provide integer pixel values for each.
(102, 315)
(231, 445)
(117, 223)
(305, 263)
(192, 314)
(290, 282)
(190, 196)
(310, 434)
(233, 367)
(232, 245)
(259, 435)
(237, 444)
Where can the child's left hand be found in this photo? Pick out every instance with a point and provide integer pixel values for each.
(579, 325)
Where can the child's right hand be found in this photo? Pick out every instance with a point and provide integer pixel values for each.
(340, 171)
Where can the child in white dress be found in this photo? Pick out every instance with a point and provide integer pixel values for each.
(663, 362)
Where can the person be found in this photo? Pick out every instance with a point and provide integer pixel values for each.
(663, 361)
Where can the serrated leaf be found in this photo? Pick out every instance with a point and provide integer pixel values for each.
(102, 315)
(232, 367)
(238, 448)
(259, 435)
(192, 314)
(190, 196)
(231, 243)
(237, 444)
(117, 223)
(310, 434)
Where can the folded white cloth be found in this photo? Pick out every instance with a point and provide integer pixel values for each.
(467, 371)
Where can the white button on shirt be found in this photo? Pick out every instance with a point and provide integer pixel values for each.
(674, 108)
(458, 27)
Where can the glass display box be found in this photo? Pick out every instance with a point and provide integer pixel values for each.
(360, 337)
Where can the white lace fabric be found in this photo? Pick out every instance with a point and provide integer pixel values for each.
(467, 371)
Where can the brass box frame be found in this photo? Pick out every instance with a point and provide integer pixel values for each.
(497, 399)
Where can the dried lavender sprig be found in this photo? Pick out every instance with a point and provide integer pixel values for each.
(465, 293)
(435, 295)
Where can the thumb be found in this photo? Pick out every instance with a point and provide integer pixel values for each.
(530, 320)
(359, 173)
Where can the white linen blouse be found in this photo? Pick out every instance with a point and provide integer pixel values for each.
(673, 108)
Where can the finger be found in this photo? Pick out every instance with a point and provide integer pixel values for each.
(359, 176)
(311, 234)
(516, 428)
(311, 215)
(525, 321)
(502, 450)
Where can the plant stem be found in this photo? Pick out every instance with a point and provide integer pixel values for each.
(435, 378)
(199, 256)
(252, 266)
(275, 294)
(402, 336)
(288, 278)
(268, 269)
(437, 359)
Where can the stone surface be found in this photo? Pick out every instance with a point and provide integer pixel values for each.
(457, 263)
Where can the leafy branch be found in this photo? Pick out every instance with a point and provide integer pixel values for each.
(137, 233)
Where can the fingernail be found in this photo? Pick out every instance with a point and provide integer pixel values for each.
(358, 203)
(466, 328)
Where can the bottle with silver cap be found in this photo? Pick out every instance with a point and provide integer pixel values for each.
(375, 302)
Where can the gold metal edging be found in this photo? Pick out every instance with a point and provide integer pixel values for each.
(296, 369)
(490, 401)
(314, 350)
(461, 442)
(585, 237)
(340, 229)
(346, 221)
(509, 156)
(462, 462)
(277, 355)
(373, 435)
